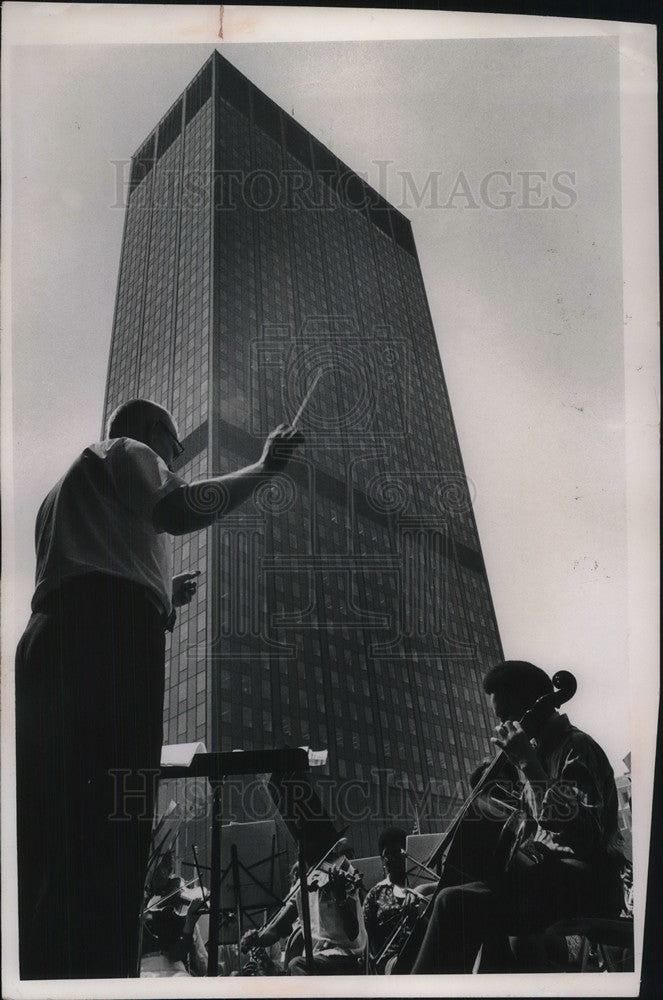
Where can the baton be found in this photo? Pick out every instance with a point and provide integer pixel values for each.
(308, 395)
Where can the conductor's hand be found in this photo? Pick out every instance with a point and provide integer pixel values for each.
(184, 587)
(250, 940)
(279, 448)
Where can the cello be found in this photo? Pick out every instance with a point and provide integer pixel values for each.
(487, 835)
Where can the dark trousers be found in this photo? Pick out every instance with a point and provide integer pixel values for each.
(89, 710)
(529, 899)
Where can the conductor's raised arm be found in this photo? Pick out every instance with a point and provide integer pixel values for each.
(198, 505)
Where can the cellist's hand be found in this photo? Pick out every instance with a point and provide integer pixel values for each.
(515, 742)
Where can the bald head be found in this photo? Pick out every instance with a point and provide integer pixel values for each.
(136, 418)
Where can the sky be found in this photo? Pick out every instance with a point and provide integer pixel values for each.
(505, 154)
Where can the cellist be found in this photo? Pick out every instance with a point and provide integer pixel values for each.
(572, 862)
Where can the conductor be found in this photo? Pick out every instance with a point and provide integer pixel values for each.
(90, 685)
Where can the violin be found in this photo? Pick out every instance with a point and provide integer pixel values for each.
(332, 879)
(327, 878)
(176, 896)
(475, 850)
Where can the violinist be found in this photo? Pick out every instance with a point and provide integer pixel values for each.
(337, 924)
(172, 942)
(569, 867)
(390, 900)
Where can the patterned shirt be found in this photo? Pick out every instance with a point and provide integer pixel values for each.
(383, 911)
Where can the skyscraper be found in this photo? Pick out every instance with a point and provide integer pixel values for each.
(346, 607)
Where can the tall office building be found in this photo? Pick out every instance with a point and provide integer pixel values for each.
(345, 606)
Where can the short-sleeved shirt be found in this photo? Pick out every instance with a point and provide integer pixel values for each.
(383, 911)
(328, 934)
(98, 519)
(327, 931)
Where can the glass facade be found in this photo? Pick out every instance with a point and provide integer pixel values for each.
(345, 605)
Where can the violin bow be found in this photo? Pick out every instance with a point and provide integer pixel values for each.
(206, 895)
(175, 892)
(309, 875)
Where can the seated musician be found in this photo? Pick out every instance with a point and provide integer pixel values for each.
(571, 866)
(338, 934)
(388, 902)
(172, 944)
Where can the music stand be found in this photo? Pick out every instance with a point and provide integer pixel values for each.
(248, 858)
(164, 835)
(216, 767)
(370, 869)
(417, 847)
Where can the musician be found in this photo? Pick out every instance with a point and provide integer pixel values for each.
(172, 943)
(337, 925)
(570, 868)
(390, 900)
(90, 681)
